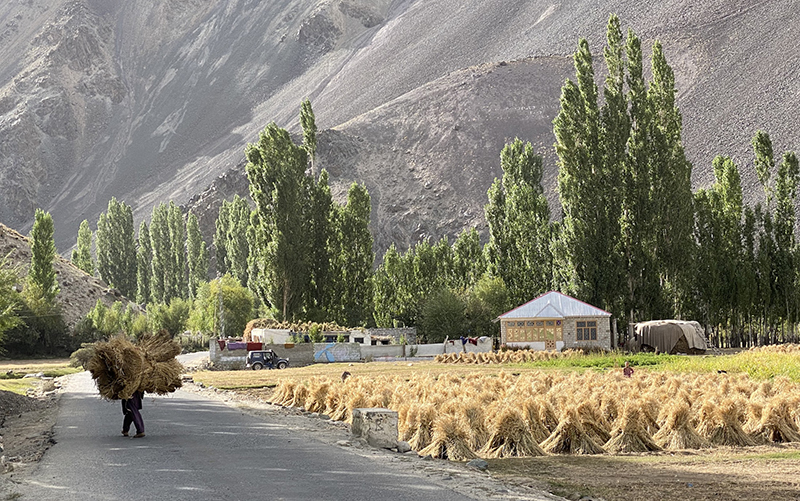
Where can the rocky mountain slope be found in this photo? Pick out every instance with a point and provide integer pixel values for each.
(151, 101)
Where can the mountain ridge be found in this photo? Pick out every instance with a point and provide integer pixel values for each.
(152, 102)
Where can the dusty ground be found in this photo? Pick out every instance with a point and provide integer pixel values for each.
(748, 474)
(26, 429)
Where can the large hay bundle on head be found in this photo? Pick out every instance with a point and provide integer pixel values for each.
(570, 437)
(450, 440)
(121, 368)
(677, 431)
(162, 377)
(628, 434)
(117, 367)
(510, 437)
(159, 347)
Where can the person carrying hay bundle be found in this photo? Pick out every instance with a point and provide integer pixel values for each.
(126, 371)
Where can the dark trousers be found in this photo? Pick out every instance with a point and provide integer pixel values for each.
(130, 408)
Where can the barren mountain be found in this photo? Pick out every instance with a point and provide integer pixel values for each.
(150, 101)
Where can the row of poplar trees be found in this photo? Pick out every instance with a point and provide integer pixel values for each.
(167, 260)
(303, 255)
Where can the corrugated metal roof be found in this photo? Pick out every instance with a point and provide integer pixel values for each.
(555, 305)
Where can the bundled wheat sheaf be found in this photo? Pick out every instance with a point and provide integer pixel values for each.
(459, 417)
(120, 367)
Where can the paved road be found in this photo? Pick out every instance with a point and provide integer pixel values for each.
(196, 449)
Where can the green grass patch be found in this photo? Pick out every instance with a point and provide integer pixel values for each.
(19, 386)
(757, 365)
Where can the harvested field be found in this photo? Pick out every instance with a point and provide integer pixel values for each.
(528, 413)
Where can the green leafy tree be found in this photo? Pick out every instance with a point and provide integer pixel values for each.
(9, 298)
(308, 122)
(279, 188)
(353, 260)
(485, 301)
(443, 316)
(116, 247)
(179, 283)
(222, 307)
(326, 245)
(144, 264)
(230, 239)
(519, 224)
(392, 289)
(161, 262)
(221, 229)
(172, 317)
(197, 255)
(581, 180)
(469, 263)
(42, 273)
(82, 254)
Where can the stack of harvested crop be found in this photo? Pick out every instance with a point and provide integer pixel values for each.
(628, 434)
(677, 431)
(570, 437)
(723, 427)
(121, 368)
(510, 437)
(450, 440)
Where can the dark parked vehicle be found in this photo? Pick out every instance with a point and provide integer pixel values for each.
(261, 359)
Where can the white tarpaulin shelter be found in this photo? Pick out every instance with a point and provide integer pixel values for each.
(672, 336)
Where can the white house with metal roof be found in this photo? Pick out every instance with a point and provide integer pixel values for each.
(555, 321)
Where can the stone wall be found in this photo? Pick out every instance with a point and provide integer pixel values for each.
(603, 333)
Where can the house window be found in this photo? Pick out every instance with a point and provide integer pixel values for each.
(586, 330)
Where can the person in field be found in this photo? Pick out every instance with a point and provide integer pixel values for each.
(627, 370)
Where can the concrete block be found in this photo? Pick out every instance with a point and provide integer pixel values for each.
(377, 426)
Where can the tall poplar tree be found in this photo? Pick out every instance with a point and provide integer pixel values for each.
(581, 181)
(352, 263)
(279, 188)
(42, 273)
(309, 124)
(469, 263)
(221, 229)
(82, 254)
(144, 258)
(116, 247)
(179, 283)
(197, 255)
(672, 188)
(519, 224)
(326, 246)
(230, 239)
(161, 262)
